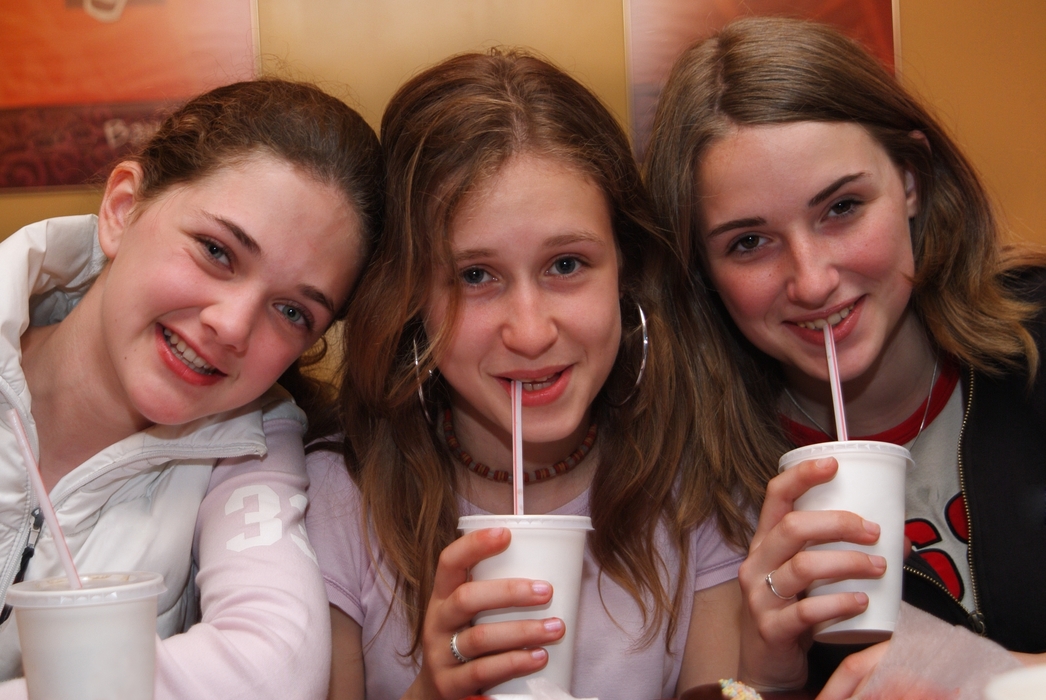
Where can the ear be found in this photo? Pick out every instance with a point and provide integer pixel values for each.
(118, 204)
(911, 192)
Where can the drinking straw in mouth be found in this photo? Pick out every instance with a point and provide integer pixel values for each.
(45, 501)
(517, 447)
(837, 388)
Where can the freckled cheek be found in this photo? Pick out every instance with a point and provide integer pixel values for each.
(748, 298)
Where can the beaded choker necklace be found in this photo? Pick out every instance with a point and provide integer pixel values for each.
(541, 474)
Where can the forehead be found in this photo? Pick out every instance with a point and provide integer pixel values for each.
(531, 194)
(778, 159)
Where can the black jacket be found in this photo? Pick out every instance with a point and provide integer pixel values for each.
(1002, 471)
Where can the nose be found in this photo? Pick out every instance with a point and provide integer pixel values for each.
(231, 319)
(529, 328)
(813, 275)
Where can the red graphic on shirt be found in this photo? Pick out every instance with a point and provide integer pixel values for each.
(955, 512)
(945, 568)
(921, 532)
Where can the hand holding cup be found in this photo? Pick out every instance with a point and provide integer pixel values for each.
(777, 623)
(494, 653)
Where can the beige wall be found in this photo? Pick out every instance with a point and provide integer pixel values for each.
(982, 64)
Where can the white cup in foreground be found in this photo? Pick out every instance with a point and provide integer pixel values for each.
(870, 482)
(95, 642)
(546, 548)
(1021, 684)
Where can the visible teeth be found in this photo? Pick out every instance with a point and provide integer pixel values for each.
(539, 384)
(187, 354)
(832, 320)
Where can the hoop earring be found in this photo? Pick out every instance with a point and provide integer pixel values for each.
(421, 385)
(642, 363)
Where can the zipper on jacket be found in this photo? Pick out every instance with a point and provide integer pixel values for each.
(976, 618)
(27, 554)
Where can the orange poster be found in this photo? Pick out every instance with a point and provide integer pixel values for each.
(659, 31)
(83, 81)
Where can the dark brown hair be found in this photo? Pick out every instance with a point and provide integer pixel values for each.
(295, 122)
(761, 71)
(445, 133)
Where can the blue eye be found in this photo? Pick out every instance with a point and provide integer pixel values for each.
(216, 251)
(295, 315)
(474, 276)
(566, 266)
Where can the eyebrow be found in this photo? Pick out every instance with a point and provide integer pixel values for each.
(736, 223)
(830, 190)
(246, 241)
(759, 221)
(553, 242)
(317, 296)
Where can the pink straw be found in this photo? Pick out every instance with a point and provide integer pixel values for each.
(837, 387)
(517, 446)
(45, 502)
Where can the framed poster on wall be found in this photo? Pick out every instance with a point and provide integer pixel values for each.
(657, 32)
(84, 81)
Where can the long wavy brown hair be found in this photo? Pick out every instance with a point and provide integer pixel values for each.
(761, 71)
(445, 133)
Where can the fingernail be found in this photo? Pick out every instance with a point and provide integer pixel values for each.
(823, 462)
(496, 531)
(861, 598)
(553, 624)
(871, 528)
(538, 654)
(541, 587)
(878, 562)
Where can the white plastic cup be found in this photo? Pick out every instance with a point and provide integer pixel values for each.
(545, 548)
(870, 483)
(97, 642)
(1021, 684)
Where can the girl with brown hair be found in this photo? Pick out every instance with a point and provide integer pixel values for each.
(519, 246)
(807, 187)
(141, 348)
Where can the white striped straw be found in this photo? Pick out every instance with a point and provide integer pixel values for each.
(45, 501)
(837, 387)
(517, 446)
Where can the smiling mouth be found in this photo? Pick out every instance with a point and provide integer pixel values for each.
(187, 355)
(541, 383)
(832, 320)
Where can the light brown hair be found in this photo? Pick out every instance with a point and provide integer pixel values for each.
(761, 71)
(445, 133)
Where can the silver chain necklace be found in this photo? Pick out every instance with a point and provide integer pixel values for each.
(922, 424)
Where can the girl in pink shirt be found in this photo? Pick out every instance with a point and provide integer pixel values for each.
(520, 246)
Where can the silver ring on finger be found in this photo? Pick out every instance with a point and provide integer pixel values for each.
(455, 651)
(770, 582)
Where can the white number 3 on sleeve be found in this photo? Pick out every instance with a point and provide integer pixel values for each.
(266, 517)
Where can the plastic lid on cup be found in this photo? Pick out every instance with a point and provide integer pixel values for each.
(519, 522)
(829, 449)
(97, 589)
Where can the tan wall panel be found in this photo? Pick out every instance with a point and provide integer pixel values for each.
(983, 66)
(17, 210)
(372, 47)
